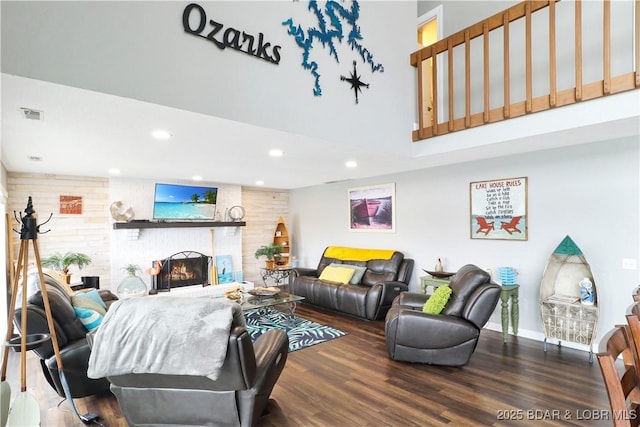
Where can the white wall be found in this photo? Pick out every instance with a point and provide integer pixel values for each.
(139, 50)
(153, 244)
(589, 192)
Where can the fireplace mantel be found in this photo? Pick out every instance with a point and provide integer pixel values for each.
(175, 224)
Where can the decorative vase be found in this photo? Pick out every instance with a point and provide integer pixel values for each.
(439, 268)
(131, 286)
(270, 264)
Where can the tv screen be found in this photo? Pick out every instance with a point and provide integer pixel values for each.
(176, 202)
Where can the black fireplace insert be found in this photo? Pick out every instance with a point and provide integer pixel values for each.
(182, 269)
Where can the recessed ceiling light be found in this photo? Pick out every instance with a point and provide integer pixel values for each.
(114, 171)
(161, 134)
(196, 178)
(259, 182)
(351, 164)
(276, 152)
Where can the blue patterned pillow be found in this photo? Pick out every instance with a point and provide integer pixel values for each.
(94, 296)
(91, 319)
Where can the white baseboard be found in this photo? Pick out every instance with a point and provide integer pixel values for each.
(539, 336)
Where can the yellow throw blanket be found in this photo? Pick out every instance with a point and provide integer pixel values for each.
(357, 254)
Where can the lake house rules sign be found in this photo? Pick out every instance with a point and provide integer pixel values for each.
(499, 209)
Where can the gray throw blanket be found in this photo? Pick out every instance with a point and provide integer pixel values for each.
(164, 335)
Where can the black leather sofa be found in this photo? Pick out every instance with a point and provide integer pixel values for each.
(371, 298)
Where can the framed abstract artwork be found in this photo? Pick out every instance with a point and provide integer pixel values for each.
(499, 209)
(372, 208)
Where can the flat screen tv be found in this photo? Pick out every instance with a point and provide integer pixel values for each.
(184, 202)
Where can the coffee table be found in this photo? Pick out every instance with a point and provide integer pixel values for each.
(250, 302)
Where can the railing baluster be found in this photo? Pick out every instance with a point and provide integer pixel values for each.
(421, 108)
(506, 113)
(552, 53)
(485, 36)
(434, 79)
(467, 79)
(450, 59)
(637, 43)
(529, 89)
(606, 41)
(578, 48)
(524, 10)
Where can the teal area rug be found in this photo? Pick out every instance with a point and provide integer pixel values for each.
(302, 333)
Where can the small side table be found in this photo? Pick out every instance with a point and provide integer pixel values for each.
(277, 274)
(509, 292)
(434, 282)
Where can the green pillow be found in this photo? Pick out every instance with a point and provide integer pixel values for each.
(436, 302)
(358, 272)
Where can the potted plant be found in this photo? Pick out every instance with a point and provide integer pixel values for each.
(271, 252)
(61, 263)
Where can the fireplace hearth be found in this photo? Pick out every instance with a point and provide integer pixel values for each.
(182, 269)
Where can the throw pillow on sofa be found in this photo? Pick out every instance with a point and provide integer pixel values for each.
(358, 272)
(91, 319)
(82, 301)
(436, 302)
(89, 308)
(336, 274)
(93, 295)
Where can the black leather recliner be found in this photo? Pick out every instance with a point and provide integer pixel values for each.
(71, 335)
(448, 338)
(237, 398)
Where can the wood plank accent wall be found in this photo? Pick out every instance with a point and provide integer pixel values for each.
(87, 233)
(90, 231)
(263, 208)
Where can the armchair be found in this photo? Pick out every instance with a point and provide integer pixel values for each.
(71, 334)
(448, 338)
(237, 398)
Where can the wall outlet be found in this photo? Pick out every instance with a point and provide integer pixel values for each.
(629, 264)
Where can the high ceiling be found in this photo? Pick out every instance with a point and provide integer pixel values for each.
(102, 92)
(86, 133)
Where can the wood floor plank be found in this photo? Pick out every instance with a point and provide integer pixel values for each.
(351, 381)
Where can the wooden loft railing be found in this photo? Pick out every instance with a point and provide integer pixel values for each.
(503, 81)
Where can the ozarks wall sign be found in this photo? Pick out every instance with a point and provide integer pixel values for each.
(230, 37)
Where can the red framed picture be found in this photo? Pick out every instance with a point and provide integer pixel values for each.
(71, 205)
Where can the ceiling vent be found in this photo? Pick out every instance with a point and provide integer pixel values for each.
(31, 114)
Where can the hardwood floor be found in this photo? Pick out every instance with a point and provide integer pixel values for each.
(351, 381)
